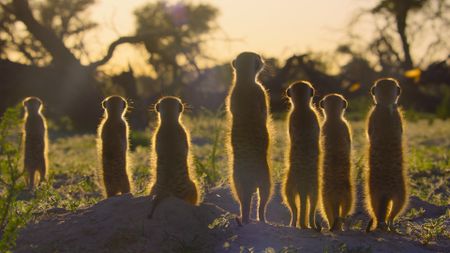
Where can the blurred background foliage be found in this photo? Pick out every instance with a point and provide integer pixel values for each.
(43, 53)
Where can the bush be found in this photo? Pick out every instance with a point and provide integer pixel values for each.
(13, 213)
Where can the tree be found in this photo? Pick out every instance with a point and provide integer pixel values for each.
(173, 35)
(400, 10)
(186, 27)
(401, 27)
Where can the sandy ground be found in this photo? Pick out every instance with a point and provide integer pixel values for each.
(120, 224)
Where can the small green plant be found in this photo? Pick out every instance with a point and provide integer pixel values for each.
(13, 213)
(430, 230)
(222, 222)
(208, 167)
(343, 248)
(443, 110)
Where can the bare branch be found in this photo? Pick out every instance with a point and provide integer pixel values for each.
(112, 48)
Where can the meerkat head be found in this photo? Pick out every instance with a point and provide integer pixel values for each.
(32, 104)
(116, 106)
(300, 92)
(333, 105)
(247, 64)
(169, 108)
(386, 92)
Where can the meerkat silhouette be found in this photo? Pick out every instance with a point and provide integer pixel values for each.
(170, 153)
(249, 136)
(302, 177)
(386, 179)
(35, 140)
(113, 146)
(337, 187)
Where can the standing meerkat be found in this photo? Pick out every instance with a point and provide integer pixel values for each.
(386, 180)
(302, 177)
(337, 187)
(249, 138)
(170, 153)
(35, 140)
(113, 146)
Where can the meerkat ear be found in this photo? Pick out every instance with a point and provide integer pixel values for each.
(345, 103)
(233, 63)
(157, 107)
(24, 102)
(181, 108)
(288, 92)
(258, 63)
(321, 104)
(399, 90)
(372, 90)
(104, 104)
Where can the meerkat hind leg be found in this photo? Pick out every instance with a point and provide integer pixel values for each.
(312, 199)
(381, 213)
(329, 213)
(397, 205)
(31, 178)
(303, 209)
(125, 187)
(290, 198)
(264, 194)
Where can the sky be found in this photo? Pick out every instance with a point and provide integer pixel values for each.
(274, 28)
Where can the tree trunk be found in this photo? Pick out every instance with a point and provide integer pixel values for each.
(401, 29)
(55, 46)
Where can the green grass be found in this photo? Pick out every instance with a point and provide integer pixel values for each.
(74, 164)
(74, 182)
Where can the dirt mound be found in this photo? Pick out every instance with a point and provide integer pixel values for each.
(120, 224)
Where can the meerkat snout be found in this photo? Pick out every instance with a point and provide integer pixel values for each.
(386, 92)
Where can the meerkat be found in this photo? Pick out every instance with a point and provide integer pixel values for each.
(171, 156)
(249, 136)
(386, 180)
(337, 187)
(112, 144)
(35, 140)
(302, 177)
